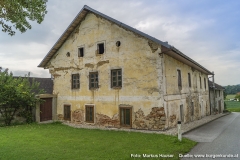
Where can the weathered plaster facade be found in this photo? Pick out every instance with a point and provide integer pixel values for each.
(149, 77)
(216, 97)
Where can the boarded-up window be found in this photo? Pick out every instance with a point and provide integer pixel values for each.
(80, 52)
(179, 78)
(189, 80)
(200, 80)
(89, 114)
(75, 81)
(125, 117)
(100, 48)
(116, 78)
(93, 80)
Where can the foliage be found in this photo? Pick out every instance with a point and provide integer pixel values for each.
(59, 141)
(18, 12)
(225, 94)
(232, 89)
(238, 97)
(16, 94)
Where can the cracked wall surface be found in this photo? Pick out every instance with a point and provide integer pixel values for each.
(186, 96)
(136, 56)
(149, 80)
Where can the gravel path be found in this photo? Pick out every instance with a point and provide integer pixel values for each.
(173, 131)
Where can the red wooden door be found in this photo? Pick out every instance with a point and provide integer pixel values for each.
(46, 110)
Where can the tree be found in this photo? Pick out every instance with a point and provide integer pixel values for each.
(16, 94)
(18, 12)
(238, 97)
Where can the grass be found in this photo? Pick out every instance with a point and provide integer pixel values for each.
(233, 106)
(57, 141)
(230, 96)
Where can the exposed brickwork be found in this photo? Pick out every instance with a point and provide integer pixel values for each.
(155, 120)
(60, 117)
(104, 120)
(78, 116)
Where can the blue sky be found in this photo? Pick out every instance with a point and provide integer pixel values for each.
(207, 31)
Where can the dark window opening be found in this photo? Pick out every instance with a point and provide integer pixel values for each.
(125, 117)
(93, 80)
(90, 114)
(116, 78)
(189, 80)
(192, 105)
(101, 48)
(205, 85)
(75, 81)
(200, 82)
(181, 113)
(80, 52)
(179, 78)
(67, 112)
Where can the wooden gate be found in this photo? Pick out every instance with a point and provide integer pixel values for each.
(46, 110)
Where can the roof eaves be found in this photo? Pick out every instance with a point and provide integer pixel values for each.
(189, 59)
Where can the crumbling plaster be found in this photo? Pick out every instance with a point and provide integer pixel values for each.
(175, 96)
(137, 57)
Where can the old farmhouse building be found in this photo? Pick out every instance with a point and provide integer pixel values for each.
(109, 74)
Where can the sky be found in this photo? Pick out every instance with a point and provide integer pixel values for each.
(206, 31)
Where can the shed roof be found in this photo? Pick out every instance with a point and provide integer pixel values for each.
(217, 86)
(86, 9)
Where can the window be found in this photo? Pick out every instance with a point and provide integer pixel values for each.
(205, 85)
(192, 105)
(219, 93)
(116, 78)
(100, 48)
(89, 114)
(75, 81)
(200, 82)
(67, 112)
(80, 52)
(179, 78)
(125, 117)
(189, 80)
(181, 113)
(93, 80)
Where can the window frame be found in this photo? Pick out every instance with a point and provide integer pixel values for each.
(179, 78)
(205, 84)
(75, 85)
(98, 47)
(130, 118)
(79, 52)
(87, 117)
(118, 85)
(95, 81)
(189, 80)
(200, 79)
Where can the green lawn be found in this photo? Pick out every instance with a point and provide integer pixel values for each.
(57, 141)
(230, 96)
(233, 106)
